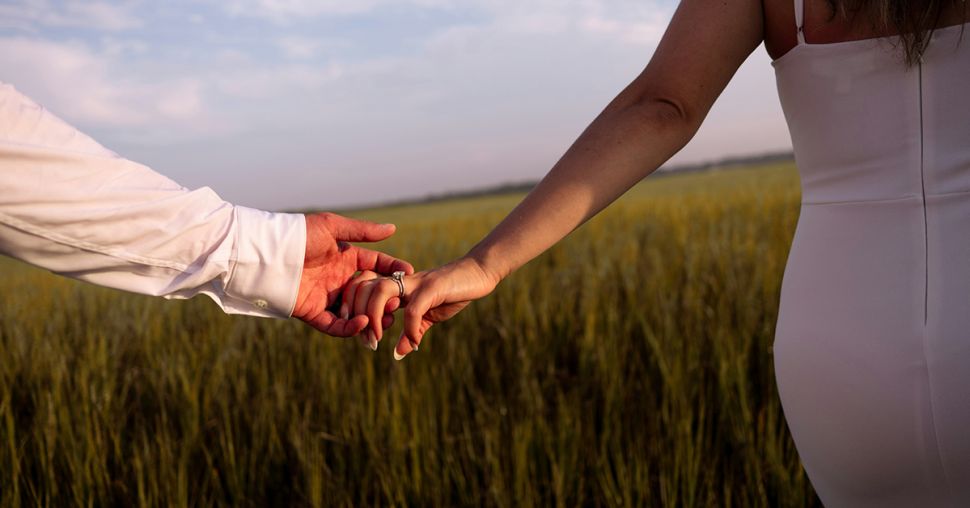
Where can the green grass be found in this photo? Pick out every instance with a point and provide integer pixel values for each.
(630, 365)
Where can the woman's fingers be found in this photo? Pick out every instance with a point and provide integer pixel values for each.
(403, 347)
(415, 325)
(435, 298)
(407, 344)
(346, 305)
(349, 294)
(362, 295)
(372, 336)
(379, 302)
(370, 300)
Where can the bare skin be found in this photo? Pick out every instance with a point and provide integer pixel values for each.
(821, 28)
(648, 122)
(329, 264)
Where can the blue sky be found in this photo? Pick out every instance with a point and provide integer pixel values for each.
(285, 104)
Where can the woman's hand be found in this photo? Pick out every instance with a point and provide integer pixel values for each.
(330, 263)
(430, 297)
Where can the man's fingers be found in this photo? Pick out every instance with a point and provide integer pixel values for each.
(348, 327)
(356, 230)
(330, 324)
(381, 263)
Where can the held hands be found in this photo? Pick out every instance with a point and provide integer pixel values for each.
(330, 263)
(430, 297)
(369, 299)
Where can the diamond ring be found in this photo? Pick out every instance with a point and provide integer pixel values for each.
(398, 278)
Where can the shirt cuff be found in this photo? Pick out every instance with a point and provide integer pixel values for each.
(267, 263)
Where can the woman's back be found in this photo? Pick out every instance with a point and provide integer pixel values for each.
(821, 26)
(873, 334)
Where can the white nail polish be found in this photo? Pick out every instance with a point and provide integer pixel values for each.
(373, 341)
(414, 346)
(398, 356)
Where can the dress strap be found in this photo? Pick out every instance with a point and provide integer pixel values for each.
(800, 20)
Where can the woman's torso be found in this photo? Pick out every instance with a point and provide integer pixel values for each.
(873, 336)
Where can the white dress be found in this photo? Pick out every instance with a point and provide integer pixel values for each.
(872, 347)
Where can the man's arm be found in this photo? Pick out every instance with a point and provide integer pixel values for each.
(71, 206)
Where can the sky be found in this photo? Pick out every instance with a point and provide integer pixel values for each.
(292, 104)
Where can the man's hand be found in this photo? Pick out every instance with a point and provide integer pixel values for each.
(329, 264)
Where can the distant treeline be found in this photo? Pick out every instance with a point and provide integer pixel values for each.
(731, 162)
(521, 187)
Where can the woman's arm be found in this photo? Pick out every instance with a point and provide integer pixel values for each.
(647, 123)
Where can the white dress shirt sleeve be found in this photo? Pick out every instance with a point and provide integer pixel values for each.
(71, 206)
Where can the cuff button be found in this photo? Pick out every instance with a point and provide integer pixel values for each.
(262, 304)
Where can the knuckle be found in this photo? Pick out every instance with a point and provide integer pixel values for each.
(326, 219)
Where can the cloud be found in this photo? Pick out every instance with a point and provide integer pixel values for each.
(296, 47)
(89, 88)
(124, 88)
(272, 81)
(30, 15)
(487, 91)
(285, 10)
(532, 14)
(113, 48)
(282, 11)
(625, 22)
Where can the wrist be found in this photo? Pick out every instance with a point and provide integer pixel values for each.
(491, 271)
(268, 262)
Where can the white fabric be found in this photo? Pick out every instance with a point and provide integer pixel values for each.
(71, 206)
(800, 20)
(872, 346)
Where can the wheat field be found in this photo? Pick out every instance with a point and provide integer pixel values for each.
(629, 366)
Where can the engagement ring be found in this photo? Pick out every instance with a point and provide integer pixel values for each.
(398, 277)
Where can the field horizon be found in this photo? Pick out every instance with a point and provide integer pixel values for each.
(628, 366)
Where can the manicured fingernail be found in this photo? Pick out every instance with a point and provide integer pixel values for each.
(344, 312)
(414, 346)
(372, 340)
(398, 356)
